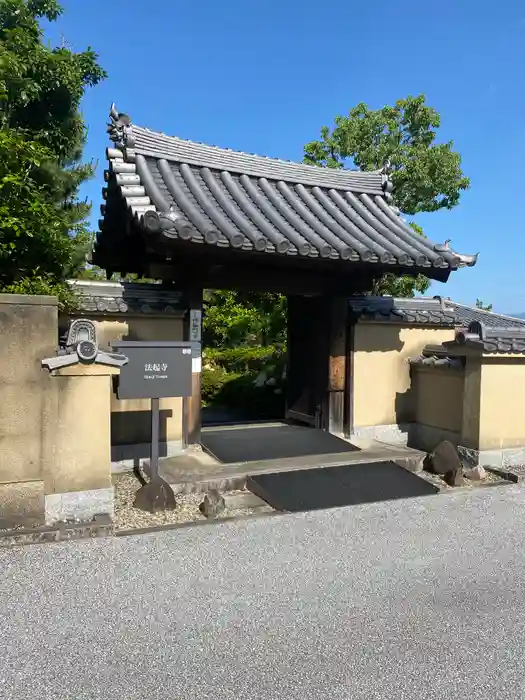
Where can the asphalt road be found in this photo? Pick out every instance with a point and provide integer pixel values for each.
(415, 599)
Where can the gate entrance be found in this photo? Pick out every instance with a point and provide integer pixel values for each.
(307, 365)
(201, 217)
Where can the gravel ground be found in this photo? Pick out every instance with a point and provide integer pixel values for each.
(129, 518)
(417, 599)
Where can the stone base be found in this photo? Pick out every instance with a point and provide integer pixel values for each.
(125, 458)
(500, 459)
(79, 505)
(390, 434)
(420, 437)
(427, 437)
(101, 526)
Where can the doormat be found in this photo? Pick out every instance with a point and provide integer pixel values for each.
(254, 444)
(333, 487)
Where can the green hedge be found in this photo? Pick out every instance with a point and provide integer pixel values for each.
(244, 359)
(239, 393)
(231, 379)
(213, 381)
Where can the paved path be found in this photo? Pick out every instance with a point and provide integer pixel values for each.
(415, 600)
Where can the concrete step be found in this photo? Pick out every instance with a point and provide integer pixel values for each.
(197, 472)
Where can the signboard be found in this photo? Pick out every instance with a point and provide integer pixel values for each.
(195, 324)
(155, 370)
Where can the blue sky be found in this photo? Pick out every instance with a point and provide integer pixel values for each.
(265, 76)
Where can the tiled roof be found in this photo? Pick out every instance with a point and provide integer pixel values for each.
(467, 314)
(419, 310)
(491, 339)
(127, 298)
(437, 361)
(171, 148)
(202, 194)
(428, 310)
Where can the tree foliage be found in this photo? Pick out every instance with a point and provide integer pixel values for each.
(43, 234)
(232, 319)
(481, 305)
(426, 175)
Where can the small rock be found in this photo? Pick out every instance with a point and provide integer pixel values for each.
(454, 477)
(212, 505)
(476, 473)
(155, 496)
(444, 459)
(416, 464)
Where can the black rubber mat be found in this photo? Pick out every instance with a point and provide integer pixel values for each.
(332, 487)
(254, 443)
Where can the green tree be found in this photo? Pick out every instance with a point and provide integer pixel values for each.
(233, 319)
(426, 175)
(482, 306)
(43, 231)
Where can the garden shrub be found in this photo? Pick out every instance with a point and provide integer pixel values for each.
(243, 359)
(212, 381)
(247, 380)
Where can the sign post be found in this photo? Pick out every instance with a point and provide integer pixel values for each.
(155, 370)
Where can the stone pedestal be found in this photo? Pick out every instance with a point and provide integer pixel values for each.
(77, 464)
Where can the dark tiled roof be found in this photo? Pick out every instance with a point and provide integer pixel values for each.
(419, 310)
(491, 339)
(437, 361)
(127, 298)
(189, 191)
(428, 310)
(467, 314)
(159, 146)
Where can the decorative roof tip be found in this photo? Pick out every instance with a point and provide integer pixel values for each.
(117, 116)
(463, 259)
(386, 181)
(120, 131)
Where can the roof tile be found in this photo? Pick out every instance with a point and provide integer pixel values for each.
(208, 195)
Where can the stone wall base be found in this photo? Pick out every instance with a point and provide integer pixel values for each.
(500, 459)
(421, 437)
(426, 438)
(101, 526)
(79, 505)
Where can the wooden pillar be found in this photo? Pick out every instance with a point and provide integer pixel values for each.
(337, 312)
(193, 333)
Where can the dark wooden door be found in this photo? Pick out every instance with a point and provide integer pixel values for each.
(307, 367)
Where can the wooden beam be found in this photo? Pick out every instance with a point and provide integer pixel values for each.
(337, 310)
(193, 332)
(258, 278)
(350, 376)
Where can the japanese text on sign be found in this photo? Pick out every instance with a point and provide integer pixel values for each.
(155, 368)
(148, 367)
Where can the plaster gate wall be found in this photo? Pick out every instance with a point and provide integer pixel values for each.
(439, 404)
(28, 329)
(383, 402)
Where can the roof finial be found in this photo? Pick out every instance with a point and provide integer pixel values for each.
(387, 183)
(119, 129)
(463, 260)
